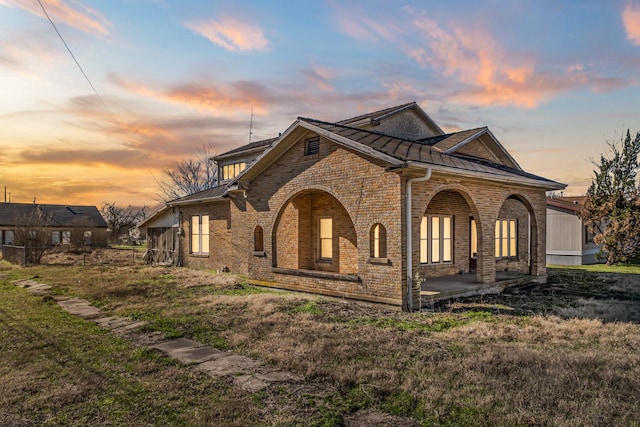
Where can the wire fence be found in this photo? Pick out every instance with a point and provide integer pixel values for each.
(86, 257)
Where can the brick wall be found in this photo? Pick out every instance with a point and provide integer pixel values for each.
(356, 192)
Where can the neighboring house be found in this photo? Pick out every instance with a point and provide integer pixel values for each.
(66, 224)
(359, 207)
(568, 240)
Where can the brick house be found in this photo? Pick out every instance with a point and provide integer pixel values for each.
(359, 207)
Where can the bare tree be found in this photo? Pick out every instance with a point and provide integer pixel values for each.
(35, 234)
(120, 219)
(190, 176)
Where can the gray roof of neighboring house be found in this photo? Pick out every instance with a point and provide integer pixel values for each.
(17, 214)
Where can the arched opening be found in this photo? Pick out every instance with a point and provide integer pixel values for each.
(516, 237)
(449, 236)
(314, 231)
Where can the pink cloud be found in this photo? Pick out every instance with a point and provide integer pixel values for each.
(232, 34)
(631, 21)
(81, 17)
(223, 100)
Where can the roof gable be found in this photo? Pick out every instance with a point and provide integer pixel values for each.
(479, 143)
(406, 121)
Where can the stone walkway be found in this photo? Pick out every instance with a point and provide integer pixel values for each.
(248, 373)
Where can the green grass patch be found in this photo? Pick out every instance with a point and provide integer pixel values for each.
(599, 268)
(140, 248)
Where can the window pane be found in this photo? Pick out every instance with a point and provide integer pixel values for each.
(195, 225)
(504, 239)
(435, 227)
(326, 238)
(446, 227)
(446, 250)
(474, 238)
(497, 234)
(326, 251)
(205, 224)
(423, 240)
(205, 244)
(325, 228)
(512, 238)
(195, 234)
(376, 241)
(435, 250)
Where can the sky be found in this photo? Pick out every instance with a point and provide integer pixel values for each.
(150, 82)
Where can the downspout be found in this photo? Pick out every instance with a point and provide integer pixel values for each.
(409, 222)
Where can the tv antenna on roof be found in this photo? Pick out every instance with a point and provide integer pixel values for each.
(251, 125)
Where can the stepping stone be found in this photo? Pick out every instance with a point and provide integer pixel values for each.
(257, 382)
(23, 283)
(79, 308)
(39, 289)
(250, 383)
(146, 339)
(188, 351)
(129, 326)
(114, 322)
(278, 377)
(229, 365)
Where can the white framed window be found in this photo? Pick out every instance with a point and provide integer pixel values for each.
(200, 234)
(9, 237)
(506, 238)
(232, 170)
(87, 237)
(55, 238)
(325, 238)
(66, 237)
(436, 239)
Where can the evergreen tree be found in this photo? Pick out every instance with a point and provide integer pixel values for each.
(612, 209)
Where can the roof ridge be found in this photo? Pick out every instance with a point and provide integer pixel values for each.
(378, 112)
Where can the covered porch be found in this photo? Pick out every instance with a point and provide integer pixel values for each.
(464, 285)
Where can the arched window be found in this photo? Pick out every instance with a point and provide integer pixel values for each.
(378, 241)
(258, 239)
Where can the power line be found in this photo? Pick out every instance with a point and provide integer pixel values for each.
(72, 55)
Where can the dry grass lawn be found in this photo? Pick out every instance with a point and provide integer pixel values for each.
(508, 360)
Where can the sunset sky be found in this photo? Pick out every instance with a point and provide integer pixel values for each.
(553, 81)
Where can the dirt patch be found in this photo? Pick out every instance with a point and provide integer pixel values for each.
(373, 418)
(605, 296)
